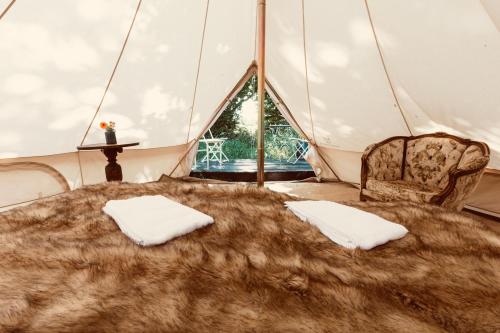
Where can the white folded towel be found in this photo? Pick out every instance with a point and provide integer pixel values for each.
(347, 226)
(151, 220)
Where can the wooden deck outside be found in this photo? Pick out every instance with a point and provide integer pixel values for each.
(248, 165)
(245, 170)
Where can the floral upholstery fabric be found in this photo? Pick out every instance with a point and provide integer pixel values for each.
(428, 163)
(479, 162)
(400, 190)
(429, 160)
(471, 158)
(385, 162)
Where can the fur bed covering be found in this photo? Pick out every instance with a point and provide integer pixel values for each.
(66, 267)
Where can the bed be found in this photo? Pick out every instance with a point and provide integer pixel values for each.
(66, 267)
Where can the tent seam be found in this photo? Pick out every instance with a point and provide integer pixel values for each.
(80, 166)
(249, 72)
(255, 33)
(53, 172)
(198, 70)
(280, 103)
(384, 66)
(33, 200)
(497, 27)
(307, 71)
(7, 9)
(113, 72)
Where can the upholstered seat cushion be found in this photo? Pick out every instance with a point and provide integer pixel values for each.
(399, 190)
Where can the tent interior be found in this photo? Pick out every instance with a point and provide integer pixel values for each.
(344, 73)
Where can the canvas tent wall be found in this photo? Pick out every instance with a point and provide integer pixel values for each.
(351, 72)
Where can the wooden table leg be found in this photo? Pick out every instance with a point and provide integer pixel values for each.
(113, 169)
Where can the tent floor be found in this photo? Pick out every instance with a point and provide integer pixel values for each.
(245, 170)
(338, 191)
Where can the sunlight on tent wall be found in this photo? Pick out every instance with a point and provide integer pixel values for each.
(454, 52)
(348, 89)
(227, 53)
(351, 101)
(155, 80)
(54, 67)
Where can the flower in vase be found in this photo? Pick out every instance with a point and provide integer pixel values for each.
(107, 126)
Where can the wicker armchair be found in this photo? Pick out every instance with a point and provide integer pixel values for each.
(438, 168)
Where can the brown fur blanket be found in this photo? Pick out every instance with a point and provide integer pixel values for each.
(66, 267)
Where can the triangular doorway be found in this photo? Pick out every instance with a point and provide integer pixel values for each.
(227, 150)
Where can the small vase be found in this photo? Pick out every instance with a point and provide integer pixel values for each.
(110, 137)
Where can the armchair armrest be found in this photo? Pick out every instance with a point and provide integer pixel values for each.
(461, 183)
(383, 160)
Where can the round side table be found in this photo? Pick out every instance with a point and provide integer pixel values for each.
(113, 169)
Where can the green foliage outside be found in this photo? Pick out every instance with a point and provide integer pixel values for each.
(241, 143)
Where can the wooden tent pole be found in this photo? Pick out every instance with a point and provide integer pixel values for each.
(261, 84)
(7, 9)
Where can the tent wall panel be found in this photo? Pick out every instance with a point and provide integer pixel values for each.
(285, 60)
(492, 7)
(486, 195)
(17, 185)
(444, 57)
(24, 179)
(151, 94)
(138, 165)
(4, 4)
(349, 90)
(56, 58)
(227, 52)
(319, 166)
(346, 164)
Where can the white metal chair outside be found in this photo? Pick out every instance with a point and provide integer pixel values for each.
(213, 150)
(301, 148)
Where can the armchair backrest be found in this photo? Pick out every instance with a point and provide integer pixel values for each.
(425, 159)
(385, 160)
(429, 158)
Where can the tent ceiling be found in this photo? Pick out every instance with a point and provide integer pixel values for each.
(348, 90)
(442, 57)
(445, 60)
